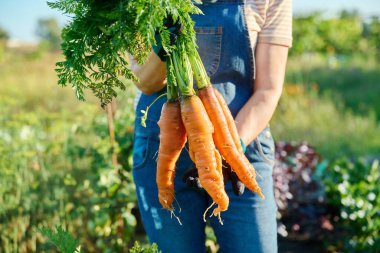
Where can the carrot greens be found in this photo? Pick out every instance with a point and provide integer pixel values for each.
(101, 34)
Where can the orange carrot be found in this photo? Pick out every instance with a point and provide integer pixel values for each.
(172, 140)
(230, 120)
(202, 150)
(225, 143)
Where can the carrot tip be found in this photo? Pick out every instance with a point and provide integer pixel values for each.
(208, 208)
(175, 216)
(260, 194)
(217, 213)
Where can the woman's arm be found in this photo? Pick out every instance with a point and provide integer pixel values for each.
(270, 71)
(151, 74)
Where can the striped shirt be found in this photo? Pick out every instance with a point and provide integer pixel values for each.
(269, 21)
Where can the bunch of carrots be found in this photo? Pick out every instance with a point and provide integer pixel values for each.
(95, 42)
(205, 121)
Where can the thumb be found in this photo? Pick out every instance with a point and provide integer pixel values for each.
(237, 185)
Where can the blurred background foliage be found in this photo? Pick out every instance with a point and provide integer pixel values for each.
(346, 34)
(56, 154)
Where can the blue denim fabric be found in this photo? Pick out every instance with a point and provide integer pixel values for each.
(249, 223)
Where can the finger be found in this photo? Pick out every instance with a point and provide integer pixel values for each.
(173, 38)
(191, 172)
(168, 21)
(198, 183)
(237, 186)
(193, 182)
(226, 168)
(178, 28)
(226, 176)
(162, 54)
(174, 32)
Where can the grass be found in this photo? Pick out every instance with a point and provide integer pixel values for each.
(332, 104)
(349, 81)
(30, 78)
(303, 116)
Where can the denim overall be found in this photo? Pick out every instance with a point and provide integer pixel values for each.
(250, 222)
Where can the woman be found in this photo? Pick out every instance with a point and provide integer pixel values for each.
(244, 46)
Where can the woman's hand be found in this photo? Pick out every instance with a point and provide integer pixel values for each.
(270, 71)
(152, 74)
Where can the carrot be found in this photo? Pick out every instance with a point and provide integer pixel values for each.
(230, 120)
(172, 140)
(225, 143)
(202, 150)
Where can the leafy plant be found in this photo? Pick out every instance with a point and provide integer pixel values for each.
(336, 201)
(353, 189)
(56, 166)
(335, 35)
(62, 240)
(300, 197)
(147, 249)
(67, 244)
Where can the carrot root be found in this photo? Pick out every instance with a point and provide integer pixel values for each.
(172, 141)
(175, 216)
(225, 142)
(199, 131)
(230, 120)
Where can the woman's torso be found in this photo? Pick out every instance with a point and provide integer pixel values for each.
(224, 46)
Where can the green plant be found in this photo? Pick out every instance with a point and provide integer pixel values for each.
(343, 35)
(353, 189)
(55, 164)
(299, 195)
(211, 242)
(52, 170)
(147, 249)
(62, 240)
(67, 244)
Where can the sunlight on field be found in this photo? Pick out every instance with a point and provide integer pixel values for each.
(333, 108)
(31, 78)
(323, 124)
(56, 151)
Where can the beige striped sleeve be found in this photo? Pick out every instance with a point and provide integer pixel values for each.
(277, 28)
(254, 11)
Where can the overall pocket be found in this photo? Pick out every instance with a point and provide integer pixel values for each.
(145, 149)
(209, 41)
(140, 151)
